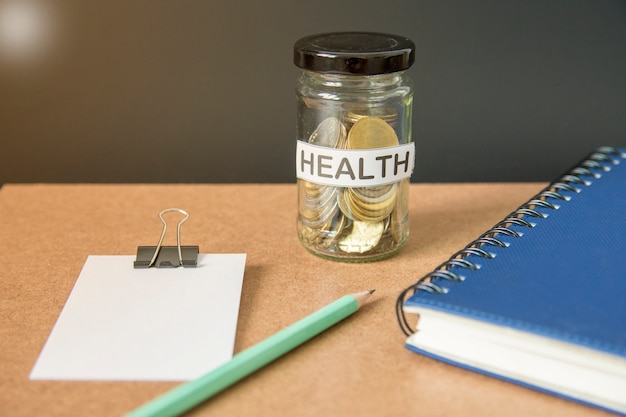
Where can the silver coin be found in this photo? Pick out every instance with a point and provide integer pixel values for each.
(328, 133)
(323, 197)
(319, 219)
(363, 237)
(374, 194)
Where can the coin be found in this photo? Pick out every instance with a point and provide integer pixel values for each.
(317, 204)
(388, 114)
(309, 235)
(375, 194)
(328, 133)
(352, 220)
(317, 209)
(362, 211)
(370, 133)
(363, 237)
(334, 231)
(400, 213)
(320, 217)
(356, 209)
(315, 198)
(344, 207)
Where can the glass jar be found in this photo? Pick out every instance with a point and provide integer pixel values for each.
(354, 154)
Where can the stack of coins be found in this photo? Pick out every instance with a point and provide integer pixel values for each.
(318, 205)
(353, 219)
(368, 207)
(387, 114)
(369, 204)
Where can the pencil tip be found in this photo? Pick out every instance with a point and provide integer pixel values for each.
(362, 296)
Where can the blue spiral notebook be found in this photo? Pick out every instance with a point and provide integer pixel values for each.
(540, 298)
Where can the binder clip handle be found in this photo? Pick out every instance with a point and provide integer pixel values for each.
(168, 256)
(180, 223)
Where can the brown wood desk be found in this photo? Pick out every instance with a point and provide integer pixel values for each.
(358, 368)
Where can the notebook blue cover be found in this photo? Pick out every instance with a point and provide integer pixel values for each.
(555, 267)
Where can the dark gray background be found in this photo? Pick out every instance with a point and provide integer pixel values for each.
(202, 91)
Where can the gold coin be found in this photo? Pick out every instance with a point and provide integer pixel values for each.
(357, 210)
(371, 133)
(367, 214)
(310, 235)
(363, 237)
(310, 189)
(388, 114)
(344, 207)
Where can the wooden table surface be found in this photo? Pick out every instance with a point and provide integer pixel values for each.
(358, 368)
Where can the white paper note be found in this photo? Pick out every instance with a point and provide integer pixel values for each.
(158, 324)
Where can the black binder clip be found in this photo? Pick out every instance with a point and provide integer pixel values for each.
(168, 256)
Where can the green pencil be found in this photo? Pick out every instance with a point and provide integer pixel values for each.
(190, 394)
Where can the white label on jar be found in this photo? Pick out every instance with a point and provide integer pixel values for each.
(354, 167)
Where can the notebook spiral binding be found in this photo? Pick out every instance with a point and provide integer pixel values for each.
(591, 167)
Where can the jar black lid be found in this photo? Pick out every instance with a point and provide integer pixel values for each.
(358, 53)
